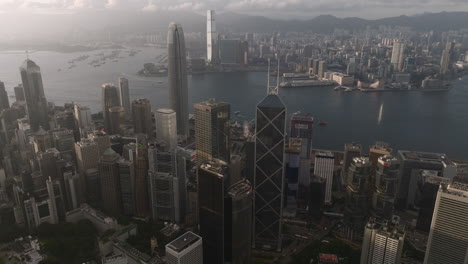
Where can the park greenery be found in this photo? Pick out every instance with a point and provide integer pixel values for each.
(339, 248)
(68, 243)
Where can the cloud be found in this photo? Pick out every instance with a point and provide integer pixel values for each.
(279, 8)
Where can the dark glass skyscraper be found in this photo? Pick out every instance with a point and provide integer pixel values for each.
(4, 103)
(238, 223)
(301, 127)
(110, 98)
(177, 75)
(36, 102)
(212, 176)
(269, 172)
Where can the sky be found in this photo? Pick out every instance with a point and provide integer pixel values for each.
(283, 9)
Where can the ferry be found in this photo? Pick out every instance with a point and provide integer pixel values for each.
(323, 123)
(307, 83)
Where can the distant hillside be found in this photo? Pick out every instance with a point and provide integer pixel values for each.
(327, 23)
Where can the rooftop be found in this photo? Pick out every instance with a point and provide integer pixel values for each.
(211, 103)
(422, 156)
(240, 188)
(183, 242)
(273, 101)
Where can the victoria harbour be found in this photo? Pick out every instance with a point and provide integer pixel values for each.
(424, 121)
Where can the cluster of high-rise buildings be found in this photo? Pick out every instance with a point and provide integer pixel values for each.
(233, 190)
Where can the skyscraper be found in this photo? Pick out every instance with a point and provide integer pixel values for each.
(110, 98)
(397, 55)
(382, 243)
(127, 186)
(212, 130)
(324, 168)
(116, 117)
(212, 176)
(448, 238)
(125, 97)
(177, 74)
(19, 93)
(166, 127)
(446, 58)
(36, 102)
(410, 165)
(302, 127)
(350, 152)
(110, 182)
(4, 103)
(357, 195)
(238, 223)
(87, 157)
(141, 178)
(83, 119)
(269, 171)
(385, 187)
(322, 68)
(186, 249)
(211, 37)
(142, 122)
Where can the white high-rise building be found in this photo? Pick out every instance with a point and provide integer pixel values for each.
(397, 55)
(186, 249)
(83, 119)
(166, 127)
(125, 97)
(448, 238)
(211, 37)
(324, 167)
(382, 243)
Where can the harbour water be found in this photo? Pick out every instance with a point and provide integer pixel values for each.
(432, 121)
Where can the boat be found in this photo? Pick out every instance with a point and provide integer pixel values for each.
(306, 83)
(237, 112)
(323, 123)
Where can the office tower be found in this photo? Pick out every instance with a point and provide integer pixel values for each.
(293, 162)
(142, 120)
(177, 74)
(83, 121)
(19, 93)
(212, 176)
(376, 151)
(164, 196)
(350, 152)
(238, 223)
(116, 118)
(317, 190)
(93, 187)
(302, 127)
(166, 127)
(324, 168)
(430, 189)
(125, 97)
(382, 243)
(322, 68)
(385, 187)
(397, 55)
(315, 66)
(186, 249)
(127, 186)
(4, 103)
(36, 103)
(269, 171)
(87, 157)
(101, 139)
(446, 58)
(357, 195)
(110, 183)
(410, 165)
(52, 201)
(211, 37)
(448, 238)
(41, 140)
(63, 140)
(230, 51)
(167, 180)
(212, 130)
(141, 178)
(110, 98)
